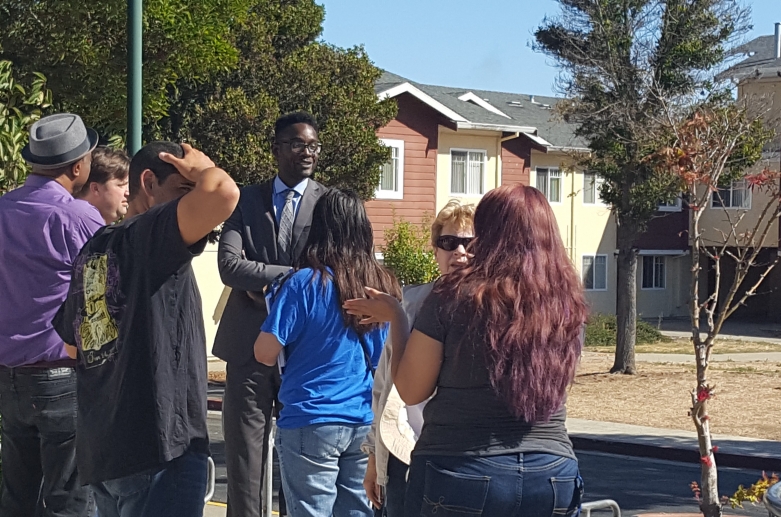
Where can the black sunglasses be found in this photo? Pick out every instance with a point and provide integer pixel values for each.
(451, 242)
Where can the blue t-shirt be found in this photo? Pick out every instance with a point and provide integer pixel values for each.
(326, 379)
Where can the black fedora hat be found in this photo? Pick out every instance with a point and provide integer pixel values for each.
(59, 140)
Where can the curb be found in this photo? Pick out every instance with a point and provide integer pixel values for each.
(739, 461)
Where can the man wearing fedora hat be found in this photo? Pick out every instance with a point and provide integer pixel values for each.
(42, 229)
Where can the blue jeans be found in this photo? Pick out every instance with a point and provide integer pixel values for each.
(174, 489)
(38, 409)
(396, 487)
(528, 485)
(322, 469)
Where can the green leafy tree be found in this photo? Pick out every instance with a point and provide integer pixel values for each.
(81, 46)
(217, 73)
(20, 106)
(282, 68)
(623, 63)
(408, 253)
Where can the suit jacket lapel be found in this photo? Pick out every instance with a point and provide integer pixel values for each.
(266, 208)
(304, 216)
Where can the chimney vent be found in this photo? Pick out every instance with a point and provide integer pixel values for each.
(778, 41)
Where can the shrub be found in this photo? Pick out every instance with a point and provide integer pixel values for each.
(753, 494)
(20, 106)
(601, 331)
(408, 253)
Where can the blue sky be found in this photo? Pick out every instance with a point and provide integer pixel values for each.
(480, 44)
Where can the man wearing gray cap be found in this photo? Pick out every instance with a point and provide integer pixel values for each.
(42, 229)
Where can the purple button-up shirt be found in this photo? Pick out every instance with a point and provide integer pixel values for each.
(42, 229)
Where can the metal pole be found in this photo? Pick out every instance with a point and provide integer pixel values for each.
(134, 74)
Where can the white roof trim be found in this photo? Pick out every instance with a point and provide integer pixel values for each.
(472, 97)
(539, 140)
(669, 253)
(568, 149)
(495, 127)
(423, 97)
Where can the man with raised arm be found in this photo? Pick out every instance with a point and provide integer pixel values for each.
(134, 314)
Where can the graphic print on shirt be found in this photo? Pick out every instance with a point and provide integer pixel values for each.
(97, 328)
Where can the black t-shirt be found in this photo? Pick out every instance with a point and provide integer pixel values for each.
(134, 312)
(466, 416)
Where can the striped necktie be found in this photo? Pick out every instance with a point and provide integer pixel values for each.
(285, 235)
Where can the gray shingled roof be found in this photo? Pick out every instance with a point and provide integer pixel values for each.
(522, 109)
(761, 60)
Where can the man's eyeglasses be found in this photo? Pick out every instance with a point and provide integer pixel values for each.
(451, 242)
(298, 147)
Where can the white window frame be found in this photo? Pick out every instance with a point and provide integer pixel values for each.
(677, 207)
(732, 189)
(485, 172)
(598, 182)
(399, 192)
(654, 278)
(546, 192)
(583, 273)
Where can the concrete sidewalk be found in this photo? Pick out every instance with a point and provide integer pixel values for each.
(672, 444)
(732, 337)
(214, 510)
(770, 357)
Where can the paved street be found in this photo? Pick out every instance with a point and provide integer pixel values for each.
(637, 484)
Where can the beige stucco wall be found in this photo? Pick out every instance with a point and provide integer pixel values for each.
(716, 222)
(210, 285)
(672, 301)
(763, 95)
(586, 229)
(475, 141)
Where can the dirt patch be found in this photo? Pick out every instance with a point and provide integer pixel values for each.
(683, 346)
(217, 377)
(747, 396)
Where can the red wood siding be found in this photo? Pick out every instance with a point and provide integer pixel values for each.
(516, 157)
(416, 124)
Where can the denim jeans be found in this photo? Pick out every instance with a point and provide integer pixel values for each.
(395, 488)
(38, 410)
(174, 489)
(322, 469)
(528, 485)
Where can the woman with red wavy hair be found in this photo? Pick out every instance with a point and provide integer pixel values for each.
(497, 343)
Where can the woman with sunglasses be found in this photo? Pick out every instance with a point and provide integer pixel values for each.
(395, 427)
(497, 343)
(330, 359)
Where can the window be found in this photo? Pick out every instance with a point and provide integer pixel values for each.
(670, 206)
(736, 195)
(549, 183)
(654, 272)
(591, 185)
(466, 172)
(595, 272)
(392, 172)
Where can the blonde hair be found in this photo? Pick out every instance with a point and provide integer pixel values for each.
(460, 216)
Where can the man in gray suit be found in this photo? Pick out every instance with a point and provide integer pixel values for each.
(259, 242)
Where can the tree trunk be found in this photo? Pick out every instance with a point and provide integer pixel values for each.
(626, 301)
(710, 504)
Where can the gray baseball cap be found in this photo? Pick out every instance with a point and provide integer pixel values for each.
(59, 140)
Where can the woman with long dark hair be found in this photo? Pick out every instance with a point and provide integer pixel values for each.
(499, 341)
(329, 361)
